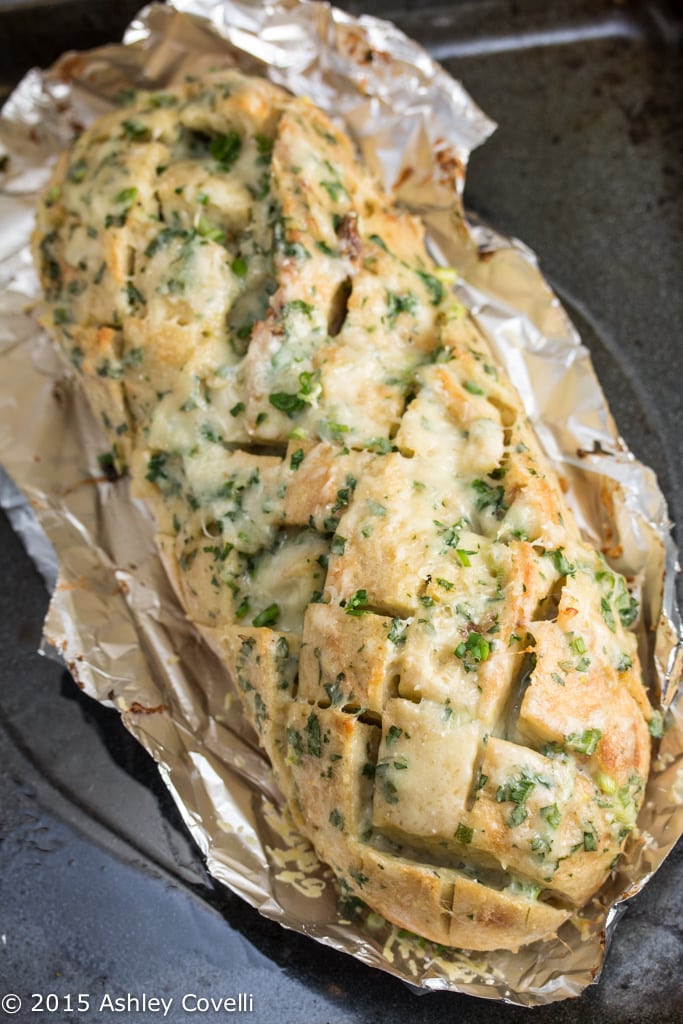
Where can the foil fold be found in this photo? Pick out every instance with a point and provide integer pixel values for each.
(113, 617)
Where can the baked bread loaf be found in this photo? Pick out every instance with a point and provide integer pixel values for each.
(352, 509)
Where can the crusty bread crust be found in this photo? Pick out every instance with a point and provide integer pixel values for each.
(352, 508)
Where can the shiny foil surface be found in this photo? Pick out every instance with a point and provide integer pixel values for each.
(113, 618)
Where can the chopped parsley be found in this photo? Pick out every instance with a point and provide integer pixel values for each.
(516, 790)
(490, 498)
(313, 739)
(464, 834)
(336, 819)
(395, 732)
(551, 814)
(225, 149)
(398, 304)
(397, 632)
(357, 604)
(296, 459)
(433, 285)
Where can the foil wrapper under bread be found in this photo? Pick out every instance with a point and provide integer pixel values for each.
(113, 617)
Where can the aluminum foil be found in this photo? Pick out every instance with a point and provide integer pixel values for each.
(113, 617)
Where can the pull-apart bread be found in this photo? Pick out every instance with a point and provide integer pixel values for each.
(352, 509)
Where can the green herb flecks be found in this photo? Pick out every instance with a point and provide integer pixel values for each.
(357, 604)
(490, 498)
(313, 738)
(268, 616)
(225, 149)
(585, 742)
(473, 651)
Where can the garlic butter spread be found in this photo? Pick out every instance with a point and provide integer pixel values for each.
(352, 509)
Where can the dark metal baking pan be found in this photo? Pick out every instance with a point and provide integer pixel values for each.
(103, 891)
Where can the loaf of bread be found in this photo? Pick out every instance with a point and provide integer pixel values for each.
(352, 509)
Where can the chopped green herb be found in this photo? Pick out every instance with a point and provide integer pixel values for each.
(357, 604)
(126, 195)
(165, 236)
(107, 463)
(563, 566)
(338, 545)
(296, 459)
(337, 819)
(61, 316)
(518, 814)
(77, 171)
(313, 740)
(626, 605)
(225, 149)
(295, 745)
(237, 409)
(239, 267)
(135, 297)
(464, 834)
(625, 663)
(135, 130)
(334, 189)
(264, 146)
(606, 783)
(267, 617)
(116, 220)
(332, 431)
(516, 791)
(540, 846)
(473, 651)
(490, 498)
(434, 286)
(585, 742)
(287, 403)
(206, 229)
(577, 645)
(53, 194)
(608, 614)
(398, 304)
(473, 388)
(397, 632)
(394, 733)
(551, 813)
(380, 445)
(298, 306)
(375, 508)
(590, 842)
(156, 467)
